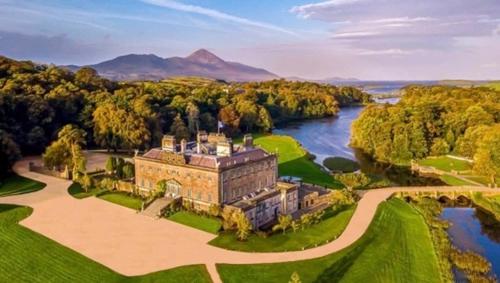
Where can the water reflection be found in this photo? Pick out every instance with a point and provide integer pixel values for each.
(475, 230)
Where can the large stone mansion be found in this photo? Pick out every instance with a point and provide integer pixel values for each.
(213, 171)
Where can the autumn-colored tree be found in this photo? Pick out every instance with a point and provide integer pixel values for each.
(243, 226)
(284, 222)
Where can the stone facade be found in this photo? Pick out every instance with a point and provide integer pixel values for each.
(213, 171)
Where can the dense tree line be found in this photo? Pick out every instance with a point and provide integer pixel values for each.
(434, 120)
(37, 101)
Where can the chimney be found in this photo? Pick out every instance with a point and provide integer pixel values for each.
(248, 141)
(169, 143)
(201, 137)
(225, 148)
(183, 145)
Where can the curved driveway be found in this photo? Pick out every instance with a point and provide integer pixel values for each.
(133, 244)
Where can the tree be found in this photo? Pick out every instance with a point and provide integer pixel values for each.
(284, 222)
(305, 220)
(353, 180)
(120, 163)
(295, 225)
(161, 188)
(9, 152)
(193, 115)
(128, 170)
(111, 164)
(179, 129)
(243, 225)
(67, 151)
(439, 147)
(86, 182)
(228, 222)
(295, 278)
(487, 157)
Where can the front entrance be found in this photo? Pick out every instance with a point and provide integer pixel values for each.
(173, 189)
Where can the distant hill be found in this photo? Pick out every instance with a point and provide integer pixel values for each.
(201, 63)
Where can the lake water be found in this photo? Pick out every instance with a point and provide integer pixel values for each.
(476, 231)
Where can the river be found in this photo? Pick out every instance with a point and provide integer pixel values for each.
(474, 230)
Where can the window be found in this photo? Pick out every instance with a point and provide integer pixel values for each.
(199, 195)
(209, 197)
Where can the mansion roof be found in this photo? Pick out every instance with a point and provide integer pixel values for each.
(244, 155)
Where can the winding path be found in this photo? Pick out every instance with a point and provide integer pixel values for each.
(133, 244)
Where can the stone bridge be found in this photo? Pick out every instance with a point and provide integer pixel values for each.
(444, 194)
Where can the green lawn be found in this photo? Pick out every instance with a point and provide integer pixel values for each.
(328, 229)
(122, 198)
(446, 164)
(293, 160)
(483, 180)
(494, 85)
(396, 248)
(454, 181)
(78, 192)
(207, 224)
(16, 185)
(27, 256)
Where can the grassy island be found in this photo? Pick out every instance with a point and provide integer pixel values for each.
(16, 185)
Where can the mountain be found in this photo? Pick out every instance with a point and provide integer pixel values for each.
(201, 63)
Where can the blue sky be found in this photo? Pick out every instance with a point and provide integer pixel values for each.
(367, 39)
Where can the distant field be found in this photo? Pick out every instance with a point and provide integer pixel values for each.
(396, 248)
(495, 85)
(454, 181)
(293, 160)
(27, 256)
(16, 185)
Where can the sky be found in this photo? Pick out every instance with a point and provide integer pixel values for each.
(364, 39)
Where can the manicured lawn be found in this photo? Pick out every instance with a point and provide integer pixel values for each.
(446, 164)
(396, 248)
(454, 181)
(78, 192)
(207, 224)
(27, 256)
(328, 229)
(122, 198)
(293, 160)
(16, 185)
(483, 180)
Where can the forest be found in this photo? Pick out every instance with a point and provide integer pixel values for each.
(37, 101)
(433, 121)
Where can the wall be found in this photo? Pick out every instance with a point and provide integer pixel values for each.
(196, 184)
(243, 180)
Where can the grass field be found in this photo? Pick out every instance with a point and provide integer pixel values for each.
(445, 163)
(207, 224)
(328, 229)
(454, 181)
(78, 192)
(293, 160)
(27, 256)
(494, 85)
(396, 248)
(122, 198)
(16, 185)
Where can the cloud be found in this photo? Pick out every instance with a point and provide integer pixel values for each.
(394, 51)
(380, 25)
(215, 15)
